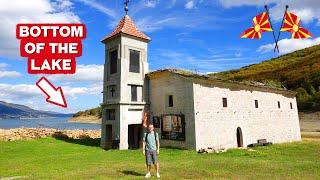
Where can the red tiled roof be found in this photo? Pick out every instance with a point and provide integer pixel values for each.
(126, 26)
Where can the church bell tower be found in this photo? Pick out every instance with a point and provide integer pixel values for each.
(124, 85)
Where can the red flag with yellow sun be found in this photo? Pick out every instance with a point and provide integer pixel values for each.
(292, 24)
(260, 24)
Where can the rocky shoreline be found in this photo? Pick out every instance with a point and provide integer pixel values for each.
(86, 119)
(35, 133)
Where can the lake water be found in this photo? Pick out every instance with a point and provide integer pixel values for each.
(57, 123)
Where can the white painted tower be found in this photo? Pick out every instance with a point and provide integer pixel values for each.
(124, 89)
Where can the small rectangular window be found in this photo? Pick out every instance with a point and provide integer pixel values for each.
(156, 121)
(134, 61)
(291, 106)
(112, 91)
(134, 96)
(279, 104)
(111, 114)
(113, 61)
(256, 103)
(170, 101)
(224, 102)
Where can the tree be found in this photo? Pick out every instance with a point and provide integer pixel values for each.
(302, 95)
(312, 91)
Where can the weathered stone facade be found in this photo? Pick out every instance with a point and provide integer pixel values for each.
(246, 114)
(182, 92)
(216, 126)
(209, 124)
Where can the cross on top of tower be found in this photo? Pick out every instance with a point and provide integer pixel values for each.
(126, 8)
(126, 26)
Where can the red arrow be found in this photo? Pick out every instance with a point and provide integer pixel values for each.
(54, 95)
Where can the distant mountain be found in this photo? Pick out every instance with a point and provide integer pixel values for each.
(10, 110)
(298, 71)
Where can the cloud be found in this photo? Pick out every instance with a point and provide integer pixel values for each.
(189, 5)
(9, 74)
(28, 91)
(4, 73)
(163, 17)
(238, 54)
(147, 24)
(94, 89)
(3, 65)
(307, 10)
(179, 20)
(84, 73)
(238, 3)
(100, 7)
(63, 4)
(171, 3)
(208, 62)
(20, 91)
(289, 45)
(22, 11)
(151, 4)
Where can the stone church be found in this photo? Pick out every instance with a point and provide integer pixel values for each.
(188, 110)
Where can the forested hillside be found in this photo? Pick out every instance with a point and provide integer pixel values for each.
(90, 112)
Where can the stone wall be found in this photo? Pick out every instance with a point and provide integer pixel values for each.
(182, 91)
(216, 126)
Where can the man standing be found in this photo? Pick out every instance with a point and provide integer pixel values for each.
(150, 149)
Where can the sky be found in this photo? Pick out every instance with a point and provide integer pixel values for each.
(198, 35)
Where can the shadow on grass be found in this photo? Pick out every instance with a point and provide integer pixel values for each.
(171, 147)
(132, 173)
(82, 140)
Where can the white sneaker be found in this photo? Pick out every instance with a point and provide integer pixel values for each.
(158, 175)
(147, 175)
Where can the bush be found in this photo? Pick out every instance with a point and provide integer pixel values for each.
(311, 90)
(302, 95)
(317, 97)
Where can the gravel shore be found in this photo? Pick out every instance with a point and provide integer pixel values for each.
(86, 119)
(34, 133)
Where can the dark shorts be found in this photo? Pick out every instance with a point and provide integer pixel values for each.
(151, 157)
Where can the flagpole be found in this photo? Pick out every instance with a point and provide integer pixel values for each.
(274, 36)
(284, 15)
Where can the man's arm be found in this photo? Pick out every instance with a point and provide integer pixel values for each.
(158, 147)
(143, 147)
(144, 144)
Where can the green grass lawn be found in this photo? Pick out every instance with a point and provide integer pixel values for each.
(50, 158)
